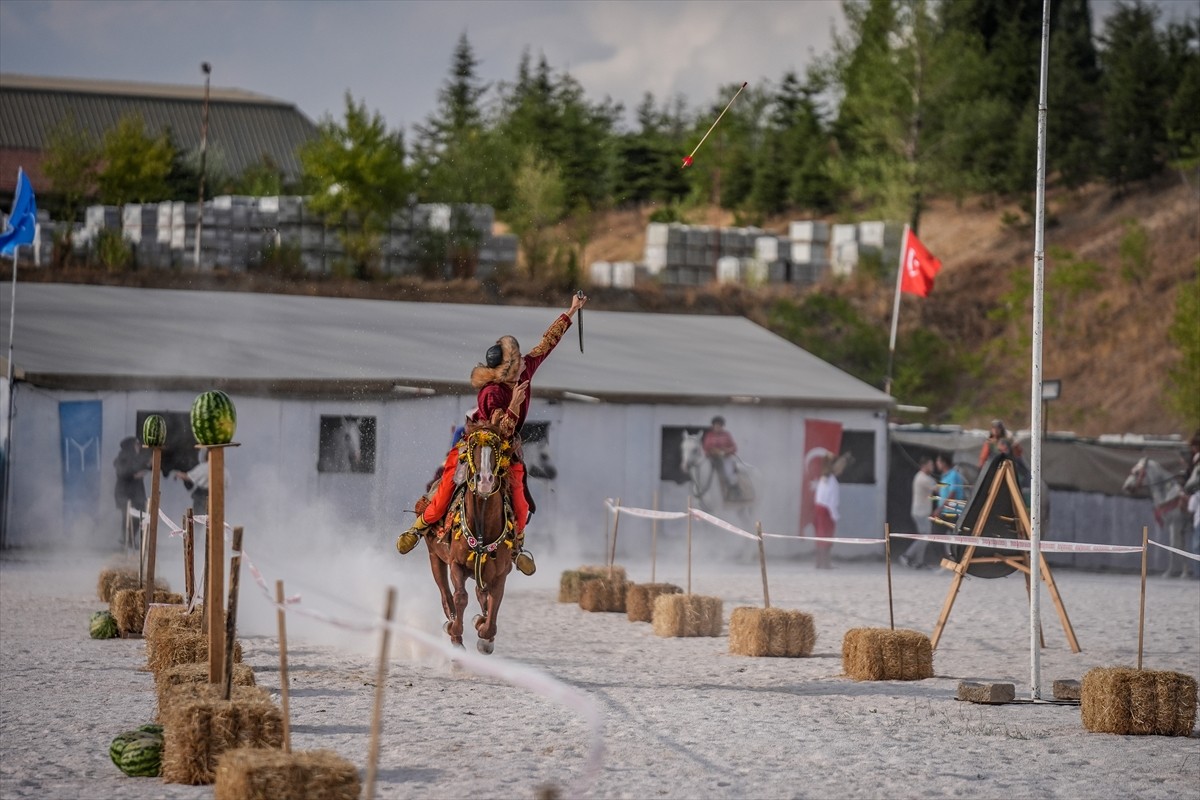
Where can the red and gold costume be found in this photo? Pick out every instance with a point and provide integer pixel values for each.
(495, 385)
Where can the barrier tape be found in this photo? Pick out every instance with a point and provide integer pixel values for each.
(1192, 556)
(648, 513)
(830, 539)
(720, 523)
(998, 543)
(513, 673)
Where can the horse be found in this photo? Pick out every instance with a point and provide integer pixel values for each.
(706, 488)
(475, 537)
(1170, 510)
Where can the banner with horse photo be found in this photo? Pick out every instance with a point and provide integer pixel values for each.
(821, 438)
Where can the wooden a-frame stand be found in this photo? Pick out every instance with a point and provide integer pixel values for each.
(1003, 478)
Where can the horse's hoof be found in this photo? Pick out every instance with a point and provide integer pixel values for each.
(478, 619)
(446, 627)
(459, 645)
(485, 646)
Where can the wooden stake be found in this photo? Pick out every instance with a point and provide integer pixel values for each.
(151, 535)
(204, 584)
(283, 671)
(612, 554)
(235, 564)
(1142, 607)
(654, 539)
(762, 563)
(689, 546)
(380, 681)
(189, 559)
(215, 591)
(887, 560)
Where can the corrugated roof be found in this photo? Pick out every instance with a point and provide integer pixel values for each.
(109, 337)
(242, 126)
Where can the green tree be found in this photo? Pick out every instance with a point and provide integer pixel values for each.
(831, 328)
(647, 163)
(1135, 96)
(357, 176)
(261, 179)
(539, 197)
(1073, 93)
(134, 165)
(1183, 120)
(1183, 391)
(71, 162)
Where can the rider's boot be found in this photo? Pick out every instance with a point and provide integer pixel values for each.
(522, 557)
(408, 540)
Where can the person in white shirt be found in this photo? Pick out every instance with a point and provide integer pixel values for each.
(924, 489)
(195, 480)
(825, 500)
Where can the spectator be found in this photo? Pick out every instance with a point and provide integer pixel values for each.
(720, 448)
(195, 480)
(924, 487)
(951, 489)
(131, 466)
(826, 503)
(999, 435)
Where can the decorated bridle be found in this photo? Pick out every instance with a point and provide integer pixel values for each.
(486, 442)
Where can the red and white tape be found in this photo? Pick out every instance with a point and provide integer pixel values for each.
(1192, 556)
(647, 513)
(722, 524)
(1000, 543)
(830, 539)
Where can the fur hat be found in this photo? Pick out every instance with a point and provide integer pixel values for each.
(507, 369)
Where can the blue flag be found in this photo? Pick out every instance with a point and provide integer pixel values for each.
(23, 219)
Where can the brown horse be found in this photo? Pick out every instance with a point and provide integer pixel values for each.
(475, 537)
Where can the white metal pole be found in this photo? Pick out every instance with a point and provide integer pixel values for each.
(887, 381)
(8, 410)
(1035, 401)
(203, 151)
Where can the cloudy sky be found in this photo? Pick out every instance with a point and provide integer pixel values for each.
(395, 54)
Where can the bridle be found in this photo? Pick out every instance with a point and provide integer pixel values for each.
(484, 483)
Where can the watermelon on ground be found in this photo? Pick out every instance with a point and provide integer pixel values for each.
(103, 625)
(138, 753)
(213, 418)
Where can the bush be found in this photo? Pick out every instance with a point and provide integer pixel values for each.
(112, 251)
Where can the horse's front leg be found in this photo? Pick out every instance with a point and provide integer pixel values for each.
(439, 577)
(458, 577)
(1176, 564)
(489, 601)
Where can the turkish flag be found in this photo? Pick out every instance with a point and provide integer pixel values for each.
(822, 437)
(918, 265)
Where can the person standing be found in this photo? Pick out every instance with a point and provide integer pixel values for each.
(195, 480)
(131, 466)
(924, 487)
(825, 503)
(952, 490)
(503, 381)
(999, 440)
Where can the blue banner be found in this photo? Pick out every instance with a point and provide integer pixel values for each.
(22, 222)
(79, 422)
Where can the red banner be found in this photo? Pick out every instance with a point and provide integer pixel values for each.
(919, 267)
(821, 437)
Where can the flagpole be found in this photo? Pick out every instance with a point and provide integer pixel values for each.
(8, 411)
(887, 381)
(1035, 403)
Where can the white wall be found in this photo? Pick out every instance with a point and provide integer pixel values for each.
(600, 450)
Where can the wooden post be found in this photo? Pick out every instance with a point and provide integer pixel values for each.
(380, 681)
(189, 559)
(612, 554)
(762, 563)
(235, 564)
(654, 539)
(204, 584)
(689, 546)
(887, 560)
(283, 669)
(215, 591)
(1142, 606)
(152, 528)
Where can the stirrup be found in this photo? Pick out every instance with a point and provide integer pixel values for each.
(524, 562)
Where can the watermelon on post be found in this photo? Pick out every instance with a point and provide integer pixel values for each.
(213, 417)
(138, 753)
(103, 625)
(154, 431)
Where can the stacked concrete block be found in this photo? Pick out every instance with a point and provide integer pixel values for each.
(880, 240)
(843, 249)
(809, 251)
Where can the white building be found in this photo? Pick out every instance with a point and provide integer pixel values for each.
(297, 367)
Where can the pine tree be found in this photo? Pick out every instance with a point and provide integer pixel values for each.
(1135, 96)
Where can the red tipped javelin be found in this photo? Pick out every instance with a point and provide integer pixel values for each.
(687, 160)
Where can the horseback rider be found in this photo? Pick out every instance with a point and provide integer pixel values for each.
(503, 381)
(720, 448)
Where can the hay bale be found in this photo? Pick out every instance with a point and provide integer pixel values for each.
(640, 597)
(687, 615)
(880, 654)
(198, 726)
(129, 607)
(250, 773)
(601, 594)
(168, 622)
(166, 681)
(771, 632)
(1138, 702)
(127, 577)
(175, 646)
(158, 613)
(570, 585)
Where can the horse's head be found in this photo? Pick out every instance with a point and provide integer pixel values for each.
(1137, 477)
(488, 457)
(690, 451)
